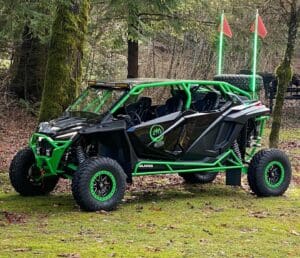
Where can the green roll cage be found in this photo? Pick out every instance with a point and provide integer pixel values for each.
(51, 165)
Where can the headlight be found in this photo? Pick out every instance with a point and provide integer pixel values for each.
(45, 127)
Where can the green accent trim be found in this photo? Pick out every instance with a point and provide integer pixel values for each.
(186, 88)
(233, 162)
(263, 120)
(156, 129)
(104, 98)
(185, 84)
(253, 86)
(282, 174)
(100, 99)
(72, 166)
(113, 188)
(79, 99)
(49, 164)
(220, 50)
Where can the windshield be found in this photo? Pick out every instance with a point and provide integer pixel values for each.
(96, 100)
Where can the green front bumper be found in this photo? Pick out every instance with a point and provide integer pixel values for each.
(49, 163)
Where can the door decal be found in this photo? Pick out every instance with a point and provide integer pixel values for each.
(156, 132)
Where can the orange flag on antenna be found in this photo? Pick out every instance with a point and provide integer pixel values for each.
(226, 28)
(261, 28)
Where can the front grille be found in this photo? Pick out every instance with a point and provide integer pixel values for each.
(44, 148)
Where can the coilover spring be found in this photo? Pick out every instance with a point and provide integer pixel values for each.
(80, 154)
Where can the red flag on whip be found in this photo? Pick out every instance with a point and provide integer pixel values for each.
(261, 28)
(226, 28)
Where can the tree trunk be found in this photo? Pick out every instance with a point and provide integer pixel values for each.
(284, 74)
(133, 59)
(63, 74)
(132, 40)
(28, 68)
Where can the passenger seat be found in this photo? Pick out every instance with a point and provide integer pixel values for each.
(172, 105)
(208, 103)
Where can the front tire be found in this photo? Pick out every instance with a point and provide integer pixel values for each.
(22, 173)
(269, 173)
(99, 184)
(198, 178)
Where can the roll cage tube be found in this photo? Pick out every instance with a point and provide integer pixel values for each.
(225, 87)
(138, 89)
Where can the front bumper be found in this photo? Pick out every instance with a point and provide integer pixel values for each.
(48, 152)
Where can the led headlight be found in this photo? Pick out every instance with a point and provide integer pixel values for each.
(45, 127)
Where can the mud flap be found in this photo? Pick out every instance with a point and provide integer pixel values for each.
(233, 177)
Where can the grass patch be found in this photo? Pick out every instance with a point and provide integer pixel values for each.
(181, 221)
(166, 221)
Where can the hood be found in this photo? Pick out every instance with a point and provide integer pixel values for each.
(63, 127)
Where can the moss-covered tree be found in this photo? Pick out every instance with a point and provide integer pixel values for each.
(24, 35)
(284, 71)
(140, 17)
(28, 67)
(63, 73)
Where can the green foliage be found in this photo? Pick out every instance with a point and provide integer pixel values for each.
(63, 75)
(14, 15)
(176, 38)
(139, 15)
(30, 107)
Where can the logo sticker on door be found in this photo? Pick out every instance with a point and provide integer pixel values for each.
(156, 132)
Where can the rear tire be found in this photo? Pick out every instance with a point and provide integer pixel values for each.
(241, 81)
(269, 173)
(99, 184)
(21, 175)
(198, 178)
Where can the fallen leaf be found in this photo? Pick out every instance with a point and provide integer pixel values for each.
(207, 231)
(294, 232)
(72, 255)
(21, 250)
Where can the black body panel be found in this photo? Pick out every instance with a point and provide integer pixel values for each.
(221, 134)
(165, 149)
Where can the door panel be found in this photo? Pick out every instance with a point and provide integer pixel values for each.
(157, 138)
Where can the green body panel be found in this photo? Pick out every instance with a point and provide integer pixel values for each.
(49, 164)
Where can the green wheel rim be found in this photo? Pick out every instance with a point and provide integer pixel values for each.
(274, 174)
(103, 185)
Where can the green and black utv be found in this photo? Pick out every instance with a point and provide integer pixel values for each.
(119, 130)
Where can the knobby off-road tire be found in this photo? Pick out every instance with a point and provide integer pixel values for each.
(21, 170)
(99, 184)
(269, 173)
(242, 81)
(198, 178)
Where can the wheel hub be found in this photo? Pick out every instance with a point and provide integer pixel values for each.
(274, 174)
(102, 185)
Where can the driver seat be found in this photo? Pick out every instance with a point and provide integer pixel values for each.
(172, 105)
(141, 108)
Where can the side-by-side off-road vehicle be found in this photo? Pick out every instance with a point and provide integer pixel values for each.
(118, 130)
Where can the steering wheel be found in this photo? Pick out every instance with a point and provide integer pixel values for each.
(135, 118)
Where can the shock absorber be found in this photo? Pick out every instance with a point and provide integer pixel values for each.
(80, 154)
(236, 149)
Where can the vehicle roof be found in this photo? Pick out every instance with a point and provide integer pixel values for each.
(129, 83)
